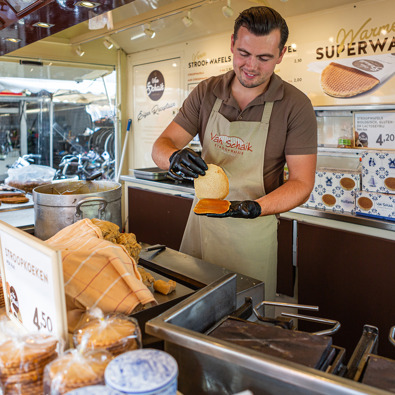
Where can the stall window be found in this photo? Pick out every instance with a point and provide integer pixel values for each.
(58, 115)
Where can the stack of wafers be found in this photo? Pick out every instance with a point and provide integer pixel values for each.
(75, 369)
(22, 363)
(115, 333)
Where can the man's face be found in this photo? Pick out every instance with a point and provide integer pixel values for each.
(255, 57)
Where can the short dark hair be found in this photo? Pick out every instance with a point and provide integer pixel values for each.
(262, 21)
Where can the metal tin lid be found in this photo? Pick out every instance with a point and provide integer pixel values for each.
(94, 390)
(141, 371)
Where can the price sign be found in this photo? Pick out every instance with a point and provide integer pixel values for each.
(32, 282)
(376, 129)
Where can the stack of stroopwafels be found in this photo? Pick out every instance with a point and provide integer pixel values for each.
(22, 363)
(75, 369)
(115, 333)
(13, 197)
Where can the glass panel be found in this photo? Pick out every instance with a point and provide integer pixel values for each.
(66, 123)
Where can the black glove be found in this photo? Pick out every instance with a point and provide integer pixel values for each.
(186, 163)
(244, 209)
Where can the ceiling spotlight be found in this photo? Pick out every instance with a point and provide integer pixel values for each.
(79, 51)
(108, 44)
(187, 20)
(87, 4)
(43, 24)
(12, 39)
(149, 32)
(227, 10)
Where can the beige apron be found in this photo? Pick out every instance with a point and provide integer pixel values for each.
(245, 246)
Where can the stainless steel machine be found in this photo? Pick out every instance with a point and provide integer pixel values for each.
(213, 365)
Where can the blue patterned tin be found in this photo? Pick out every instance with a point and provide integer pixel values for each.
(143, 372)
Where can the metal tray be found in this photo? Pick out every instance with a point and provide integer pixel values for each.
(151, 173)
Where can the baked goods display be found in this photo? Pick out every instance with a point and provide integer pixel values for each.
(75, 369)
(22, 363)
(116, 333)
(338, 80)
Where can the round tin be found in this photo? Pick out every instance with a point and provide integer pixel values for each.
(143, 372)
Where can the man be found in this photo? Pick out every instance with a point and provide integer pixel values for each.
(250, 123)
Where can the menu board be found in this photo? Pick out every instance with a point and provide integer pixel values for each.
(344, 55)
(375, 129)
(207, 58)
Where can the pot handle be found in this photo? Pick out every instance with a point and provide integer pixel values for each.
(102, 208)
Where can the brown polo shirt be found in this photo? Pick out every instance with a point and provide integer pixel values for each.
(292, 128)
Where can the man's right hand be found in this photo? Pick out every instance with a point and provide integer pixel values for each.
(186, 163)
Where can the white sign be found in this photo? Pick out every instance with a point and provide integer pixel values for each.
(32, 282)
(376, 129)
(156, 102)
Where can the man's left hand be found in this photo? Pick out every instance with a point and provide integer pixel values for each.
(241, 209)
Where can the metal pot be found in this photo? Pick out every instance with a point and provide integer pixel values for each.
(58, 205)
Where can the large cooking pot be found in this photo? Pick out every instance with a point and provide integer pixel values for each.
(60, 204)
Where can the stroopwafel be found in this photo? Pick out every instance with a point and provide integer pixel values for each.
(342, 81)
(116, 334)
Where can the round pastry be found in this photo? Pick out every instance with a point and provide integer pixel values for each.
(347, 183)
(389, 182)
(14, 199)
(213, 185)
(364, 203)
(114, 334)
(22, 363)
(73, 370)
(329, 200)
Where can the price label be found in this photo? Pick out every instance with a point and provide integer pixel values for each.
(376, 129)
(32, 282)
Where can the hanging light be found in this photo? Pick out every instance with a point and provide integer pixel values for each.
(79, 51)
(187, 20)
(149, 32)
(227, 10)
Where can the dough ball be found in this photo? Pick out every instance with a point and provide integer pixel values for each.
(213, 185)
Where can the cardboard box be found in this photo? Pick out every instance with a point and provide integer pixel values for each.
(335, 190)
(374, 204)
(378, 171)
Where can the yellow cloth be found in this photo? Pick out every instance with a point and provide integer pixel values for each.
(97, 272)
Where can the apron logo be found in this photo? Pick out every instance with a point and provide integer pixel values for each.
(231, 143)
